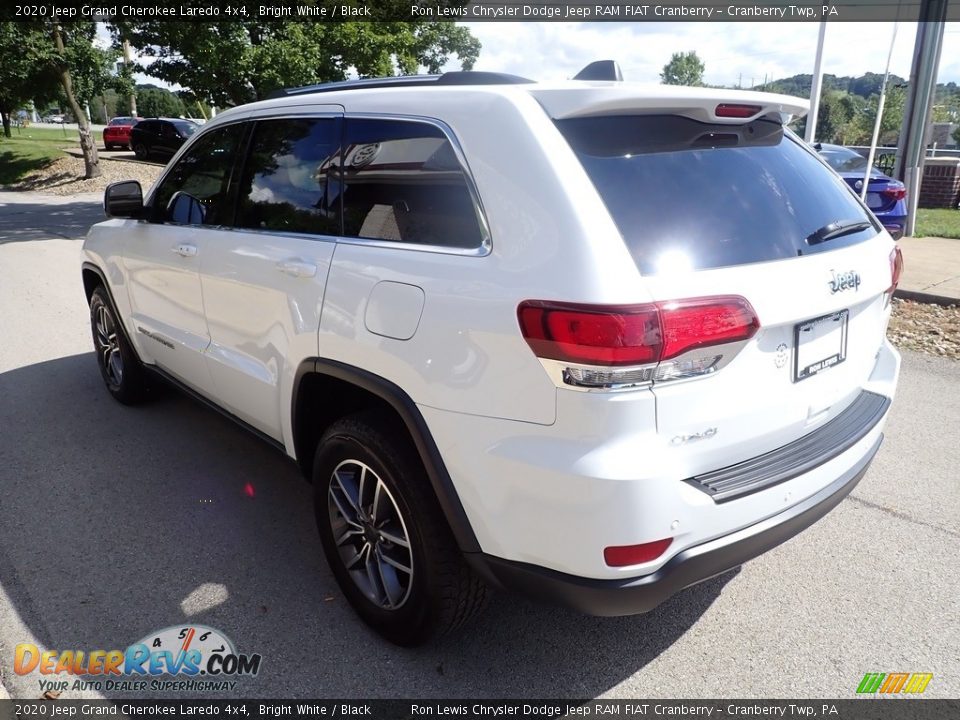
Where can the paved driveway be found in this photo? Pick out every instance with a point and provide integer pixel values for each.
(116, 522)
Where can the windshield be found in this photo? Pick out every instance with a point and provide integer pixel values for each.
(123, 121)
(688, 195)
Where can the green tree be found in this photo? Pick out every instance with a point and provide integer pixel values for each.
(83, 71)
(104, 107)
(833, 115)
(193, 106)
(230, 63)
(24, 75)
(158, 102)
(684, 68)
(890, 123)
(59, 62)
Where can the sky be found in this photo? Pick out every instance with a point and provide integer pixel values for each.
(733, 53)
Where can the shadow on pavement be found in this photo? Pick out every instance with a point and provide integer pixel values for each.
(117, 522)
(22, 221)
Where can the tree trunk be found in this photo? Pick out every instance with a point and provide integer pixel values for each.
(88, 146)
(6, 122)
(128, 62)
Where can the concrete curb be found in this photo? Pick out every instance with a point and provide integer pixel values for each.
(77, 153)
(925, 297)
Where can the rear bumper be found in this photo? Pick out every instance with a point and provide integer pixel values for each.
(631, 596)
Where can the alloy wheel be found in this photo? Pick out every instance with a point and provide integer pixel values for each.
(370, 534)
(108, 345)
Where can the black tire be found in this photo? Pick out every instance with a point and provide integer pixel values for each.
(441, 592)
(107, 147)
(124, 375)
(141, 151)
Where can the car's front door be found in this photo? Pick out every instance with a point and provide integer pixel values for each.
(263, 284)
(162, 256)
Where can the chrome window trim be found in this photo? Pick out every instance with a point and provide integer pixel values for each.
(482, 250)
(486, 241)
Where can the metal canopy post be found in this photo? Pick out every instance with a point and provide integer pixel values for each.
(816, 87)
(911, 149)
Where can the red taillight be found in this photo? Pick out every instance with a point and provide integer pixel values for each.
(622, 555)
(896, 268)
(614, 335)
(731, 110)
(592, 334)
(689, 324)
(894, 193)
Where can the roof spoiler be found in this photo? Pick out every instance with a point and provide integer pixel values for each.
(600, 70)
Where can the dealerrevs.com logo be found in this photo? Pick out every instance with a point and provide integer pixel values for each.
(182, 658)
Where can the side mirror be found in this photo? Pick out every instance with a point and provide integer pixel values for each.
(185, 209)
(123, 200)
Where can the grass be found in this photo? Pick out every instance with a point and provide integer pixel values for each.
(31, 149)
(938, 223)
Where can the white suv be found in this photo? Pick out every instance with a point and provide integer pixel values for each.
(593, 341)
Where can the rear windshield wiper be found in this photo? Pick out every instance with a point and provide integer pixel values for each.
(837, 229)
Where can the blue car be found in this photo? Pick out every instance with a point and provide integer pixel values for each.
(885, 196)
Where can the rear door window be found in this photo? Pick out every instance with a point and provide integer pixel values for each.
(695, 196)
(404, 183)
(289, 182)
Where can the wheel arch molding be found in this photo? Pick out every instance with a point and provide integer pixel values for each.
(94, 276)
(315, 375)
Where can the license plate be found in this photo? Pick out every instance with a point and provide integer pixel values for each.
(820, 343)
(874, 200)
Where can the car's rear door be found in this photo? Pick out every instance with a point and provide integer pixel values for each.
(263, 282)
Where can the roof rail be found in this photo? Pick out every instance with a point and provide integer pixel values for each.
(460, 77)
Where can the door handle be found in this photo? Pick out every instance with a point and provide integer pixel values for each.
(297, 268)
(185, 250)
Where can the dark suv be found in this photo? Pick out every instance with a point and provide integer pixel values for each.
(160, 136)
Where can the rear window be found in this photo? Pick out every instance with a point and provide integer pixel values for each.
(690, 195)
(186, 128)
(843, 160)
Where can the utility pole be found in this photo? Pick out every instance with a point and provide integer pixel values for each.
(911, 149)
(816, 86)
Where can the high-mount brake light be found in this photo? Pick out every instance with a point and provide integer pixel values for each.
(619, 346)
(734, 110)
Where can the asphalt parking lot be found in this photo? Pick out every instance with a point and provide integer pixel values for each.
(117, 522)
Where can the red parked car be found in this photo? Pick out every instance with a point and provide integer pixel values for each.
(117, 133)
